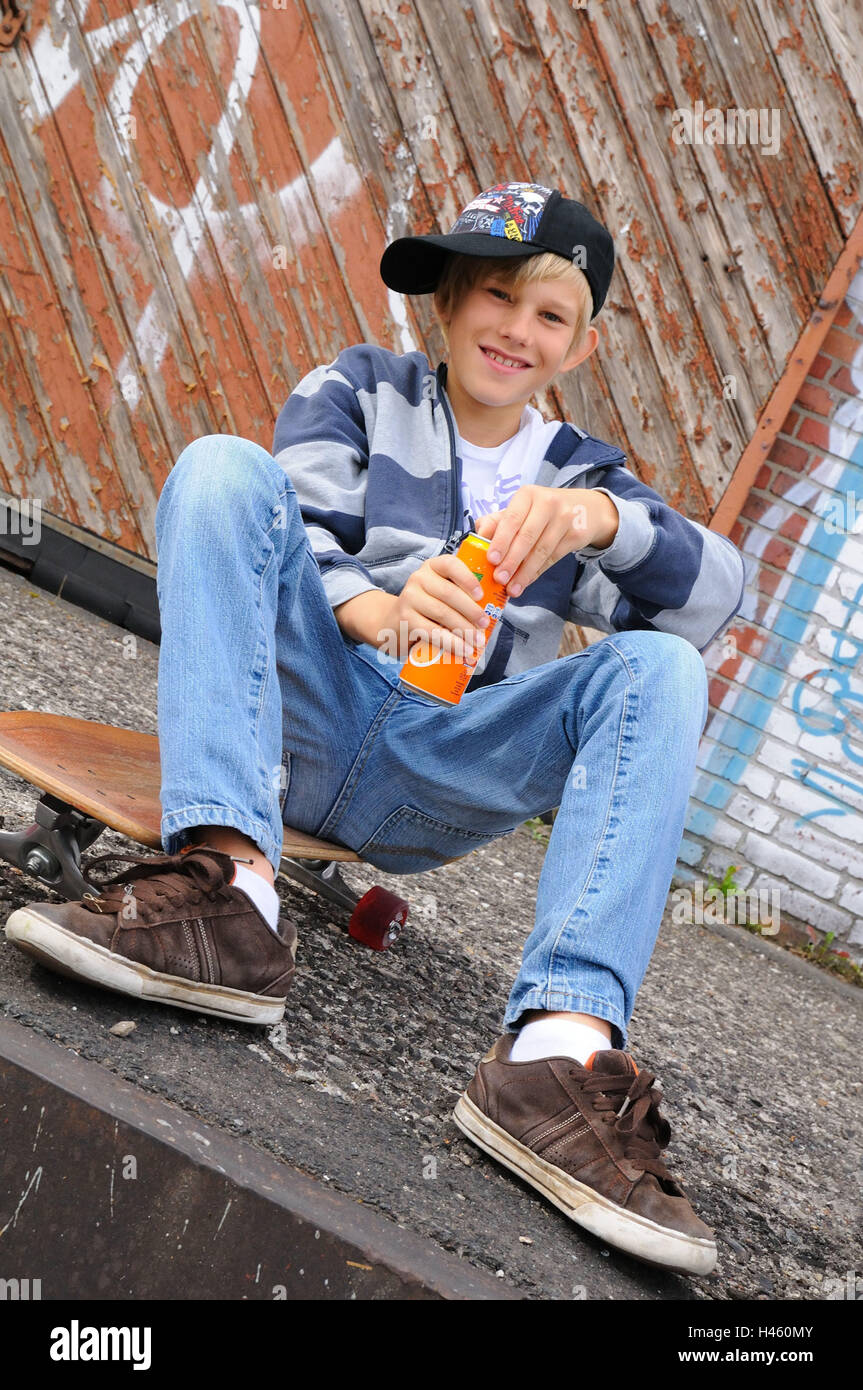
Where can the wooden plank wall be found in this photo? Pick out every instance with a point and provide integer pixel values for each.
(194, 197)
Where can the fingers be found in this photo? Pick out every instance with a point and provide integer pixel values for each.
(534, 532)
(509, 524)
(441, 609)
(431, 623)
(554, 542)
(448, 604)
(458, 586)
(526, 539)
(487, 525)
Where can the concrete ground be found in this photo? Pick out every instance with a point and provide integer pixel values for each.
(756, 1052)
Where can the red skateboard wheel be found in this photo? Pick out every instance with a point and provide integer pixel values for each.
(378, 918)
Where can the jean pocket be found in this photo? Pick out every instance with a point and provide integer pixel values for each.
(386, 666)
(410, 842)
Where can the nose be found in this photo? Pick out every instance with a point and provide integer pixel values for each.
(516, 324)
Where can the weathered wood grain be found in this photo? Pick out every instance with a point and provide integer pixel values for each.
(842, 24)
(764, 223)
(585, 130)
(405, 43)
(176, 278)
(820, 103)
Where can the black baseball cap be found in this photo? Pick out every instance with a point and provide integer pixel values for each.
(508, 220)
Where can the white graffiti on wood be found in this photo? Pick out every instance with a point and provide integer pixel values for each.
(330, 183)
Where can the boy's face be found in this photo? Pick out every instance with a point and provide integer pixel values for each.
(506, 344)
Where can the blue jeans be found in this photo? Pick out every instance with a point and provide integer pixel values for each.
(269, 716)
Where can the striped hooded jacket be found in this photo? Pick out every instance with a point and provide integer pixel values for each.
(369, 445)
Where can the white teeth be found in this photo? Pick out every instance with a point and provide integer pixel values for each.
(506, 361)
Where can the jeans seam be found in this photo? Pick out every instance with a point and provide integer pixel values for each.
(342, 801)
(267, 671)
(631, 670)
(262, 684)
(623, 720)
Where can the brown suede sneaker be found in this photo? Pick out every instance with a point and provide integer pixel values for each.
(588, 1138)
(172, 929)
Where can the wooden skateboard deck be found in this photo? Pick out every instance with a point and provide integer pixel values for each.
(112, 774)
(96, 775)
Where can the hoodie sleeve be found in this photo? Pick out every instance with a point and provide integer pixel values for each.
(320, 441)
(662, 572)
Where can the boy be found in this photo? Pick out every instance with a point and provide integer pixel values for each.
(291, 586)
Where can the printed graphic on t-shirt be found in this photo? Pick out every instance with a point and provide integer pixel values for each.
(503, 490)
(490, 477)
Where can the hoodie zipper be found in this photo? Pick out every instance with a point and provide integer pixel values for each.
(456, 531)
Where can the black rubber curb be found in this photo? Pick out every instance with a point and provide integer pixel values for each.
(82, 568)
(107, 1192)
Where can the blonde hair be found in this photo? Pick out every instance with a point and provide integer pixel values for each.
(461, 273)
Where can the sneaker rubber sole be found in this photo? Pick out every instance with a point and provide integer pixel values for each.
(67, 954)
(637, 1235)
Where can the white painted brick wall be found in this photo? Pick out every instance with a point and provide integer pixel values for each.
(785, 864)
(824, 748)
(751, 813)
(852, 898)
(848, 584)
(807, 908)
(744, 876)
(832, 609)
(798, 798)
(782, 724)
(806, 839)
(726, 834)
(777, 756)
(717, 862)
(816, 727)
(757, 781)
(802, 664)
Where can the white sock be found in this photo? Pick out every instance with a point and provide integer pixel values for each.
(259, 891)
(557, 1037)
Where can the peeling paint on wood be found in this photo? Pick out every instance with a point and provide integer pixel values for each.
(194, 198)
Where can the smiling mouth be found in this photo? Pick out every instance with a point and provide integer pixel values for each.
(513, 363)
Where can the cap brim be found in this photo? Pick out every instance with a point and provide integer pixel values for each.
(414, 264)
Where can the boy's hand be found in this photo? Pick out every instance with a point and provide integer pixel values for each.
(438, 605)
(542, 524)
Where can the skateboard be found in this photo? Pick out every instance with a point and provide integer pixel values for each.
(95, 776)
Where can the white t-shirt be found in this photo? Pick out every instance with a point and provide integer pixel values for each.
(490, 477)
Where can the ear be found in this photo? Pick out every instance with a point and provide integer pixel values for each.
(582, 350)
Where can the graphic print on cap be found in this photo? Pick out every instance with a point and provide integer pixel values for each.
(511, 210)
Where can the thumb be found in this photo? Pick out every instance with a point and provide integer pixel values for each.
(487, 525)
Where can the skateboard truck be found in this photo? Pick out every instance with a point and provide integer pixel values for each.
(376, 918)
(50, 849)
(115, 775)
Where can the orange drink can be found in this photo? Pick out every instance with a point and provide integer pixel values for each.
(435, 673)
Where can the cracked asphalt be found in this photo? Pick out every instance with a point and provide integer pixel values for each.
(756, 1052)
